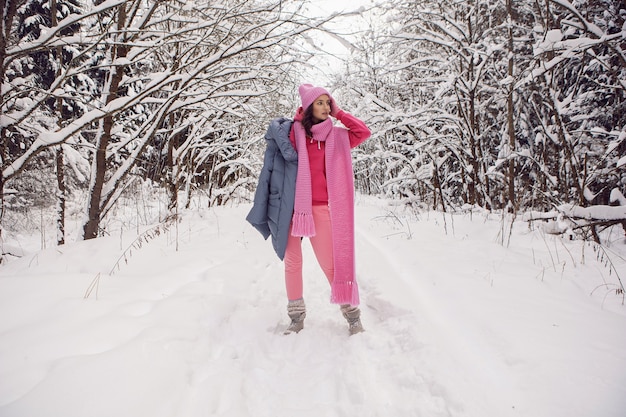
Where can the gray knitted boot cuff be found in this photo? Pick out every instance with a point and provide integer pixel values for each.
(296, 310)
(352, 314)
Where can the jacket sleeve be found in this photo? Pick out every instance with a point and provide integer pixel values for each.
(292, 138)
(257, 216)
(358, 132)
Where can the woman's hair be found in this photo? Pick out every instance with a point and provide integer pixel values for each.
(308, 121)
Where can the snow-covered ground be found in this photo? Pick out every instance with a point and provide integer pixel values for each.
(190, 324)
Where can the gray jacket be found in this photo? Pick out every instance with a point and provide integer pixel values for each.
(274, 197)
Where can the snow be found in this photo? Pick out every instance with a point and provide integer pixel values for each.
(618, 197)
(553, 36)
(457, 324)
(597, 212)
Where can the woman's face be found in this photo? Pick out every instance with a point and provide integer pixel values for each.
(321, 108)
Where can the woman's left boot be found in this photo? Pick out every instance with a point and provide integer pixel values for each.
(352, 315)
(297, 313)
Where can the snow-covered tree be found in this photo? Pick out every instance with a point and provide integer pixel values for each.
(499, 103)
(577, 97)
(443, 69)
(170, 74)
(29, 102)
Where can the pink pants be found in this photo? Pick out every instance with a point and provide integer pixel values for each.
(322, 244)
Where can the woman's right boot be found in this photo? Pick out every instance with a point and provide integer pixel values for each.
(297, 312)
(352, 314)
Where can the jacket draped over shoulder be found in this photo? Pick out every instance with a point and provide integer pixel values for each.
(274, 197)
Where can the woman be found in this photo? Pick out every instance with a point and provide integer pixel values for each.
(318, 203)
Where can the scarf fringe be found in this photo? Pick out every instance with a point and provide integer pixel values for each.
(303, 225)
(344, 292)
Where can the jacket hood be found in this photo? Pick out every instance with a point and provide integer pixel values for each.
(278, 131)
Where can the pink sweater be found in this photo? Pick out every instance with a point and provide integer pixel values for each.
(358, 133)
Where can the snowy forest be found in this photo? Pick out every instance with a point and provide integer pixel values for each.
(511, 106)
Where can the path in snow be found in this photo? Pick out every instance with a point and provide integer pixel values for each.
(199, 332)
(451, 360)
(453, 328)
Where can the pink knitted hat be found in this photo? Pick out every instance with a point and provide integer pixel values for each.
(308, 93)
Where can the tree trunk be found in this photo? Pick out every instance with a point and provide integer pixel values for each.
(510, 117)
(473, 190)
(60, 163)
(474, 143)
(60, 157)
(437, 187)
(98, 171)
(8, 10)
(90, 229)
(172, 168)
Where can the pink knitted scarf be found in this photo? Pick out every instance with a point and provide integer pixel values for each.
(340, 184)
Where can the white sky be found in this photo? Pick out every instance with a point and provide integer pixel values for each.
(336, 50)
